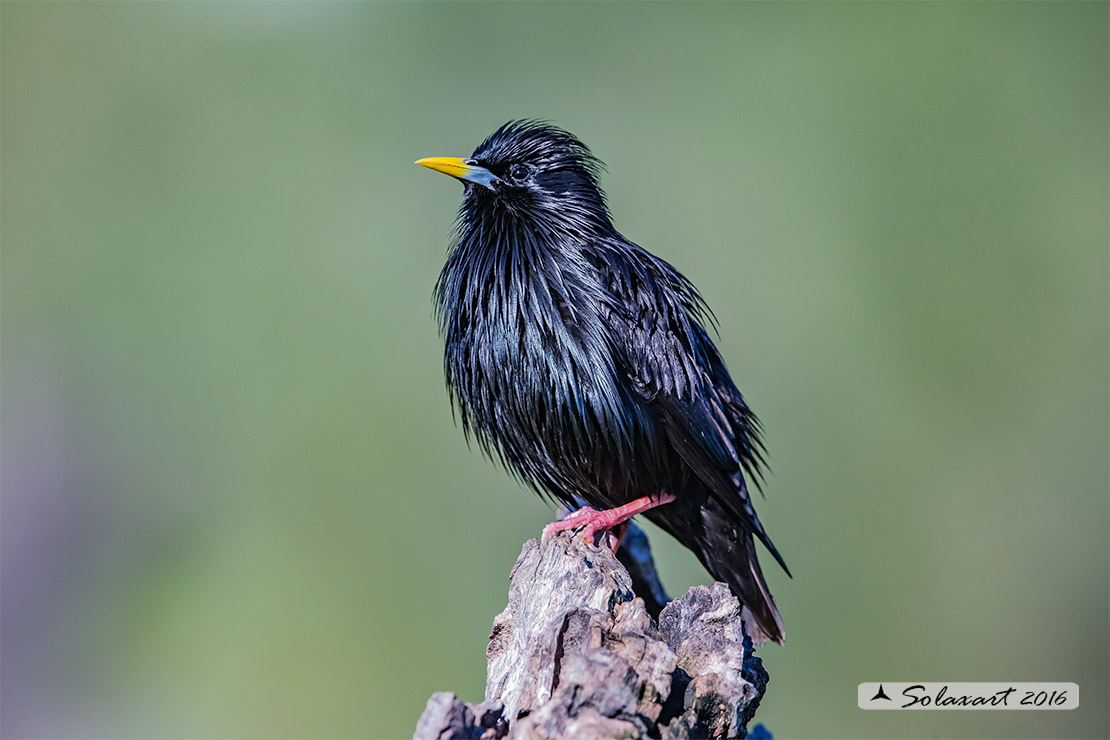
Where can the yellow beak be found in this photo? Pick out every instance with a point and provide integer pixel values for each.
(452, 166)
(460, 170)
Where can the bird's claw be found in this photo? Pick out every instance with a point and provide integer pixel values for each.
(596, 527)
(571, 521)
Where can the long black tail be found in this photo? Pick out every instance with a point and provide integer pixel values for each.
(728, 553)
(727, 550)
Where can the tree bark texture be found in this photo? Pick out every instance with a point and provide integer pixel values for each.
(578, 654)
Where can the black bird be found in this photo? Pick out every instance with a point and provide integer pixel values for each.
(581, 361)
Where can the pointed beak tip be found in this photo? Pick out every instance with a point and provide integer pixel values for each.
(459, 169)
(452, 166)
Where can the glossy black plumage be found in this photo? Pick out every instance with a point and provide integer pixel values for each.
(582, 361)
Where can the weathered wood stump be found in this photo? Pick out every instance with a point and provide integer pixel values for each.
(577, 654)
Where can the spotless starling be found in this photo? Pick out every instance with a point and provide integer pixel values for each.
(581, 361)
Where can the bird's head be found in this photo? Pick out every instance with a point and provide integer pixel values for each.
(529, 169)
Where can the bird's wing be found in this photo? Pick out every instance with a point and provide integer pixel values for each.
(673, 365)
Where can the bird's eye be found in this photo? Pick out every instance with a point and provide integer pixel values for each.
(519, 171)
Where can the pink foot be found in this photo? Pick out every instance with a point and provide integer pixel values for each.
(594, 522)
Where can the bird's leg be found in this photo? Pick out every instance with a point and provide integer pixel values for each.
(593, 521)
(571, 520)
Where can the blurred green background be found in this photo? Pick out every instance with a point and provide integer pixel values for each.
(234, 501)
